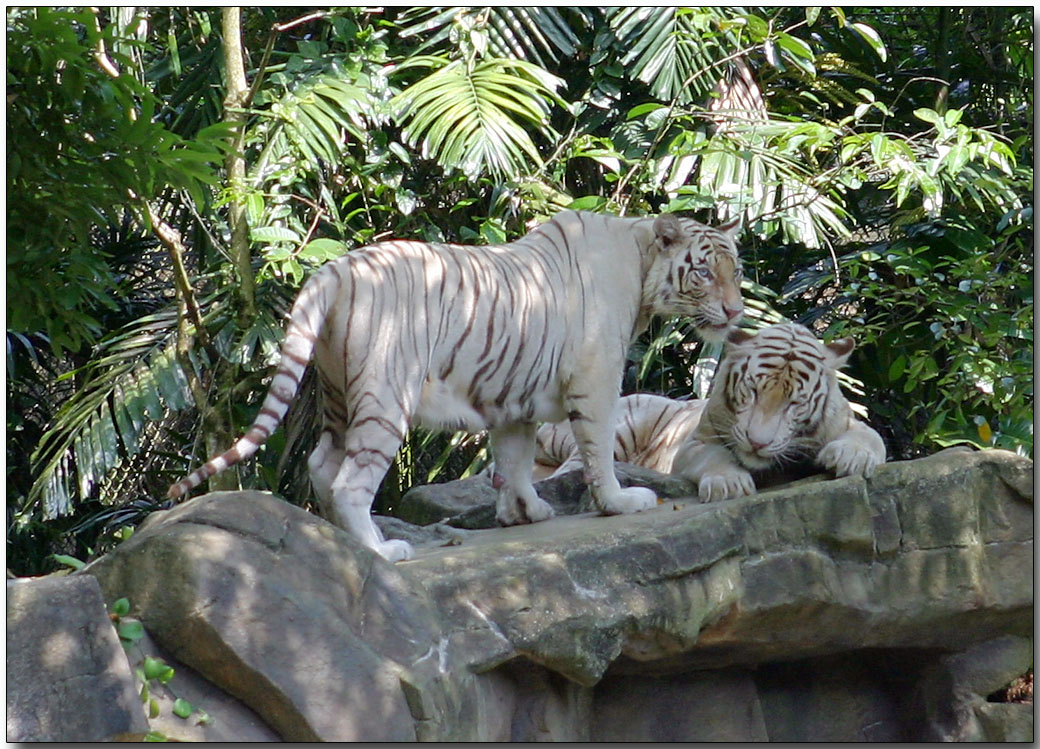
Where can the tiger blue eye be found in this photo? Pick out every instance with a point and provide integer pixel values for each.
(704, 273)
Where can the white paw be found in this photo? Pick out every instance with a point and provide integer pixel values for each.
(847, 458)
(513, 509)
(537, 509)
(395, 550)
(631, 499)
(725, 483)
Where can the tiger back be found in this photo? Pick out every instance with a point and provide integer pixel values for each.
(775, 400)
(497, 337)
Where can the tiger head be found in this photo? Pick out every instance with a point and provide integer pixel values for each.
(696, 272)
(773, 392)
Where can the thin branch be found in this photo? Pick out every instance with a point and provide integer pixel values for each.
(100, 54)
(318, 213)
(276, 29)
(188, 308)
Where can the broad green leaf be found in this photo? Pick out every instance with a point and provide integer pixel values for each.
(121, 607)
(254, 208)
(274, 234)
(952, 117)
(131, 629)
(797, 48)
(69, 561)
(897, 368)
(928, 115)
(182, 708)
(154, 668)
(587, 203)
(872, 38)
(641, 109)
(877, 148)
(323, 249)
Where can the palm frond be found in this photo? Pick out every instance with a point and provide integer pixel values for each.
(132, 381)
(473, 117)
(672, 50)
(542, 35)
(317, 116)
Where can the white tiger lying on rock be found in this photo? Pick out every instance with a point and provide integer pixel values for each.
(649, 430)
(498, 337)
(775, 399)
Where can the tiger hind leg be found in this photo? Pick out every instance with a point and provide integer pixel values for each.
(514, 447)
(347, 478)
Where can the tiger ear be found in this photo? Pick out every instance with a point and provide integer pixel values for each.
(668, 230)
(733, 226)
(840, 350)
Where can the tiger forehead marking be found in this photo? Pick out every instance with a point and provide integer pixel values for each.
(782, 365)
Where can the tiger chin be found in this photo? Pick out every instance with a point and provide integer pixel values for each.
(775, 400)
(498, 337)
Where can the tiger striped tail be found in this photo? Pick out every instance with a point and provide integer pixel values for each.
(305, 323)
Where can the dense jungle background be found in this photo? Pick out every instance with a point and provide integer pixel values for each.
(174, 174)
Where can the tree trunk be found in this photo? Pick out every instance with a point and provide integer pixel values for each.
(216, 419)
(234, 102)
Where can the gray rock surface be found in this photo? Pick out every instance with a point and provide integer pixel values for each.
(319, 636)
(953, 692)
(470, 503)
(226, 719)
(545, 631)
(67, 676)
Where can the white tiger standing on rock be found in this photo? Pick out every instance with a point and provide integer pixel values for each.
(498, 337)
(775, 399)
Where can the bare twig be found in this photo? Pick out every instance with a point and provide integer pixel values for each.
(188, 308)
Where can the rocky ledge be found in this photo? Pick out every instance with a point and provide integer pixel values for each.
(847, 610)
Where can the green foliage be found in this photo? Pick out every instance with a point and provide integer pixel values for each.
(129, 382)
(153, 674)
(81, 140)
(943, 317)
(469, 115)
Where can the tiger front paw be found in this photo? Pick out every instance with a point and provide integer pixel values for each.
(395, 550)
(626, 501)
(849, 458)
(725, 483)
(517, 508)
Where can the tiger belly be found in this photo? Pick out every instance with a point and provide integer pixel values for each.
(448, 405)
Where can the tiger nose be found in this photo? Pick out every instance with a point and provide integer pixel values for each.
(733, 312)
(756, 445)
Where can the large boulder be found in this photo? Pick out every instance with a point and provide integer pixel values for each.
(318, 635)
(686, 622)
(67, 676)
